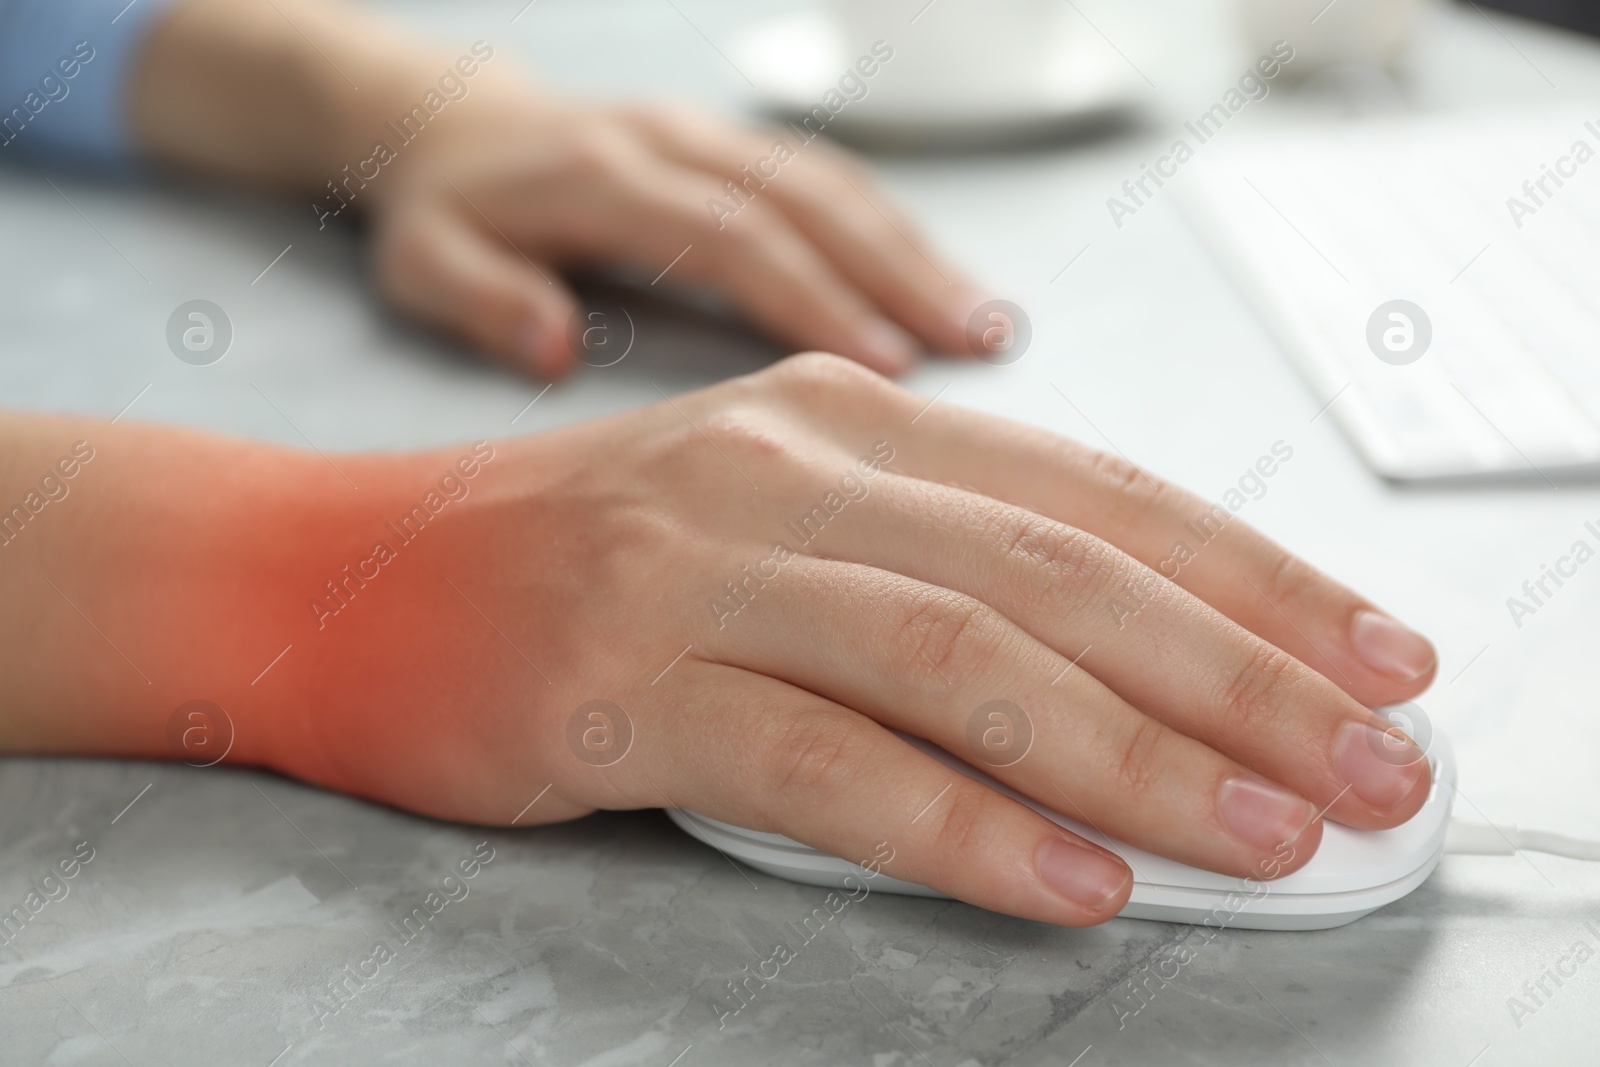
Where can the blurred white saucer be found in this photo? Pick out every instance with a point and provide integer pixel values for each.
(794, 60)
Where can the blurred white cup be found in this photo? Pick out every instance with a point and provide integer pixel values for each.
(951, 48)
(1370, 33)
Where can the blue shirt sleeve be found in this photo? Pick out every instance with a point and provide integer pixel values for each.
(65, 67)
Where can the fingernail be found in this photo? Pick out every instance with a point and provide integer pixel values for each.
(1085, 876)
(1380, 767)
(1390, 648)
(1262, 814)
(887, 346)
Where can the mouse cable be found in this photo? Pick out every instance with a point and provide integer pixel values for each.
(1483, 839)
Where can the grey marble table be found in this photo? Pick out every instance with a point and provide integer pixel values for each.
(230, 917)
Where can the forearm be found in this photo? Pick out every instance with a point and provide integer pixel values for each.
(287, 93)
(143, 567)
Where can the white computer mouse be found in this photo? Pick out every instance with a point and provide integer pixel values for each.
(1354, 871)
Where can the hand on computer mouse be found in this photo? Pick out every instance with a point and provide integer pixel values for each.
(727, 601)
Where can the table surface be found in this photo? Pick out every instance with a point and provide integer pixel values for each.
(220, 906)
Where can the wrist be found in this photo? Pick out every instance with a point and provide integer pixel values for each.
(432, 109)
(288, 95)
(357, 603)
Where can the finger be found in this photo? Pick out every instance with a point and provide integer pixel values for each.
(837, 204)
(445, 272)
(652, 214)
(1203, 547)
(784, 284)
(787, 761)
(1161, 649)
(1207, 550)
(936, 663)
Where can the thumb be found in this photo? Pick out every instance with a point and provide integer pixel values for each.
(445, 273)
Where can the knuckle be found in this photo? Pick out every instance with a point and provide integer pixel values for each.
(823, 378)
(401, 252)
(812, 757)
(946, 634)
(600, 152)
(487, 312)
(657, 116)
(759, 239)
(1071, 563)
(1250, 697)
(1133, 492)
(848, 168)
(748, 240)
(964, 828)
(1144, 751)
(743, 434)
(842, 159)
(677, 124)
(1117, 473)
(1285, 576)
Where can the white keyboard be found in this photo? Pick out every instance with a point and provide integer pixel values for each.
(1322, 230)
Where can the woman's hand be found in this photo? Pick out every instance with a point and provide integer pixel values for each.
(480, 219)
(760, 581)
(484, 188)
